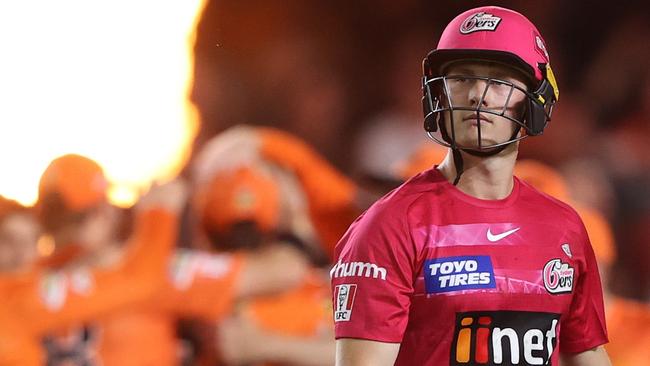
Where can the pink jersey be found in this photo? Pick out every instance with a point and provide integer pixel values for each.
(462, 281)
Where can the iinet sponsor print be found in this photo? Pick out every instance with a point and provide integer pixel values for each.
(357, 269)
(504, 338)
(458, 273)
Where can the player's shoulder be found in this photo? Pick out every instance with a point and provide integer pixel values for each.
(547, 204)
(396, 204)
(400, 199)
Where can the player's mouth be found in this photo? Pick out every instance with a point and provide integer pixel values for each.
(472, 118)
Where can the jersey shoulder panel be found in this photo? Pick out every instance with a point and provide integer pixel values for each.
(552, 206)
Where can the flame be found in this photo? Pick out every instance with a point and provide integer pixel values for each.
(106, 79)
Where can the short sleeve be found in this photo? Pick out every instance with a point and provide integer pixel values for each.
(584, 327)
(372, 280)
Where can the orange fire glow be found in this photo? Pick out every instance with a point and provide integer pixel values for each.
(105, 79)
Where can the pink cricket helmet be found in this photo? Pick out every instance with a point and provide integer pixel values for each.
(501, 35)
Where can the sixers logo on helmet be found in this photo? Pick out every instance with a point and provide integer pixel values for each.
(558, 277)
(541, 47)
(480, 22)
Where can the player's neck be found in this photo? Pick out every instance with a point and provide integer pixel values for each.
(488, 178)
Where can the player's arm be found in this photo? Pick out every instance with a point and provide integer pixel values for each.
(241, 341)
(371, 307)
(583, 329)
(327, 188)
(47, 301)
(361, 352)
(207, 285)
(593, 357)
(271, 270)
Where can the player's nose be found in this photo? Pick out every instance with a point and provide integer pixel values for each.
(480, 93)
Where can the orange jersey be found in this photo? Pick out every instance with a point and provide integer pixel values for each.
(197, 285)
(39, 302)
(600, 234)
(304, 312)
(628, 325)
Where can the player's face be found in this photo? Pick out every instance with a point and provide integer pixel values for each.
(492, 98)
(18, 237)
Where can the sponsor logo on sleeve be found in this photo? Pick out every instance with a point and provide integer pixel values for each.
(458, 273)
(343, 302)
(82, 281)
(186, 265)
(558, 277)
(57, 285)
(504, 338)
(480, 22)
(54, 290)
(357, 269)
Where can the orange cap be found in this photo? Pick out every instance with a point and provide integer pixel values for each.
(543, 177)
(422, 159)
(239, 195)
(78, 180)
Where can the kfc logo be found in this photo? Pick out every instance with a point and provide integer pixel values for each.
(343, 302)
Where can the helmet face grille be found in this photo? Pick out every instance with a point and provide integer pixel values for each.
(493, 101)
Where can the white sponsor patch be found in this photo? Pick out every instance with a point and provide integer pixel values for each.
(54, 290)
(480, 22)
(187, 264)
(541, 47)
(343, 302)
(567, 250)
(82, 281)
(558, 277)
(357, 269)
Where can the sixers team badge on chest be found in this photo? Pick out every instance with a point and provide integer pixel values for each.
(451, 274)
(558, 277)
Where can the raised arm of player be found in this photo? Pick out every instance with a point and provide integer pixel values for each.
(206, 285)
(361, 352)
(328, 189)
(593, 357)
(43, 301)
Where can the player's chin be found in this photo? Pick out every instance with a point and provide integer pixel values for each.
(487, 144)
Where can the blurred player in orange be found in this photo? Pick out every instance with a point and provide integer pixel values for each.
(38, 300)
(333, 200)
(77, 214)
(18, 235)
(243, 208)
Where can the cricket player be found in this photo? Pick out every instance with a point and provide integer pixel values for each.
(465, 264)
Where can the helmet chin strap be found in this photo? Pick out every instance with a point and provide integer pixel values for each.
(458, 157)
